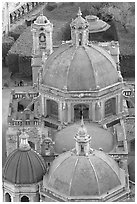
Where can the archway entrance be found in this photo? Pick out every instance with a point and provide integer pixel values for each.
(81, 110)
(52, 109)
(7, 197)
(24, 199)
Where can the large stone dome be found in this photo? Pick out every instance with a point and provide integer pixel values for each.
(24, 167)
(82, 68)
(84, 177)
(101, 138)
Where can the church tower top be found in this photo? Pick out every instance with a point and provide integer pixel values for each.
(79, 30)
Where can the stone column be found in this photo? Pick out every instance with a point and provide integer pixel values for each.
(60, 111)
(72, 113)
(43, 104)
(93, 111)
(118, 104)
(69, 112)
(102, 111)
(90, 111)
(98, 111)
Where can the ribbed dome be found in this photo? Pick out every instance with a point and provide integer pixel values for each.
(93, 175)
(80, 69)
(101, 138)
(41, 19)
(24, 167)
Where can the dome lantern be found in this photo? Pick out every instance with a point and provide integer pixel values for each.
(82, 140)
(24, 145)
(79, 30)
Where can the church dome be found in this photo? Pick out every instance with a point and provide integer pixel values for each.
(82, 68)
(24, 166)
(101, 138)
(78, 177)
(41, 19)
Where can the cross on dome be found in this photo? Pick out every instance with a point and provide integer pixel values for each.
(79, 12)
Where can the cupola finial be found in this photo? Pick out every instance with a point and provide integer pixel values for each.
(79, 12)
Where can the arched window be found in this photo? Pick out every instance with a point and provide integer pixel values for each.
(81, 110)
(7, 197)
(52, 109)
(80, 39)
(24, 199)
(110, 107)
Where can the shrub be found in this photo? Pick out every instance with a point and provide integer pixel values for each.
(13, 63)
(127, 65)
(66, 32)
(6, 84)
(7, 42)
(17, 31)
(51, 6)
(25, 66)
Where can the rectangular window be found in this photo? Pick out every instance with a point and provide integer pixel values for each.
(27, 116)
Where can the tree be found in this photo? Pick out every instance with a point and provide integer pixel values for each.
(122, 12)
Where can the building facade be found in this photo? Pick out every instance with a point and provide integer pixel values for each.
(81, 79)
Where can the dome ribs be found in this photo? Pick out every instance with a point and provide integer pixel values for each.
(74, 171)
(95, 174)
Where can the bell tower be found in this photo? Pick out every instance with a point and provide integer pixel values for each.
(42, 43)
(79, 30)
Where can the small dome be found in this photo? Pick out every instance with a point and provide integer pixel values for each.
(101, 138)
(79, 68)
(96, 25)
(41, 20)
(24, 166)
(73, 176)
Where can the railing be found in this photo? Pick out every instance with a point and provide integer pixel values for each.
(24, 123)
(22, 95)
(21, 10)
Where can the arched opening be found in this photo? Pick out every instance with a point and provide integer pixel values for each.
(110, 107)
(80, 38)
(7, 197)
(32, 145)
(24, 199)
(52, 109)
(81, 110)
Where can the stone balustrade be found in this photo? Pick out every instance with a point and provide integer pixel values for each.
(21, 10)
(22, 95)
(24, 123)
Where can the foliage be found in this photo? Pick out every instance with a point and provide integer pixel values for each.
(13, 63)
(6, 84)
(51, 6)
(122, 12)
(25, 65)
(23, 45)
(127, 65)
(66, 32)
(17, 31)
(7, 42)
